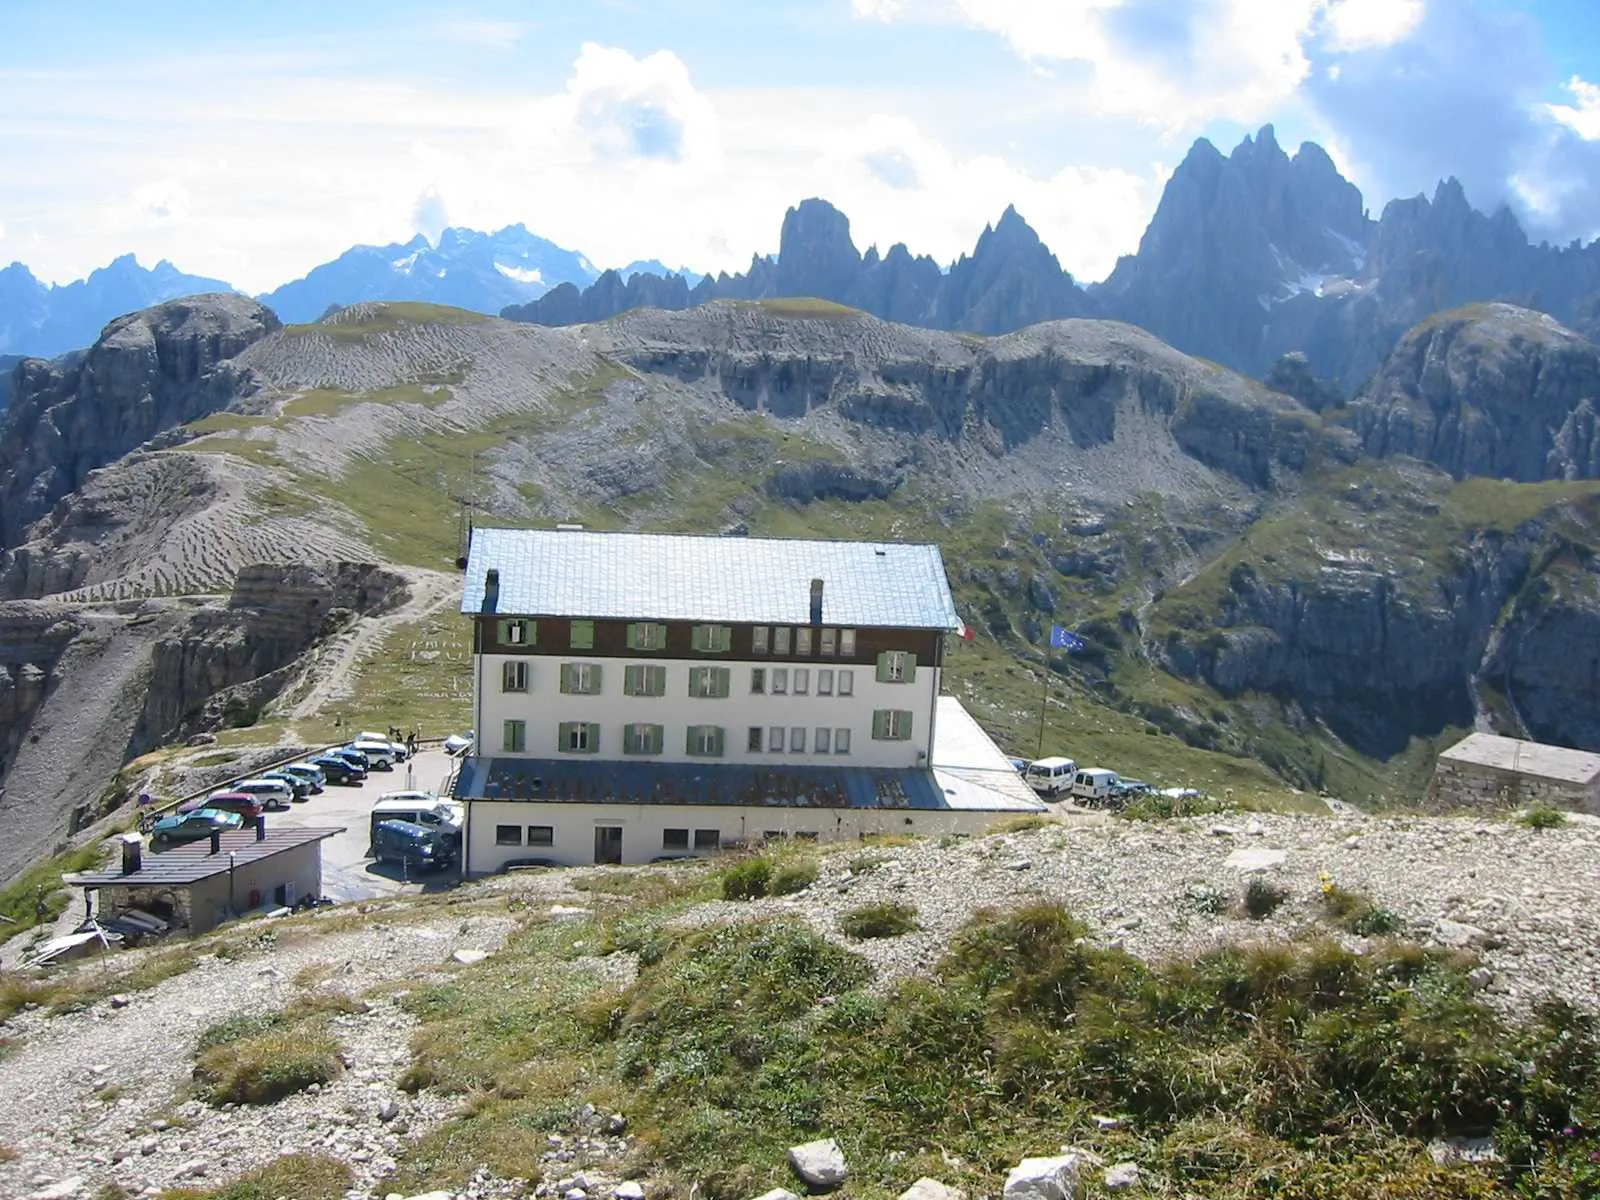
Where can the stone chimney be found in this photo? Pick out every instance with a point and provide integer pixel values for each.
(132, 853)
(491, 590)
(816, 602)
(216, 841)
(261, 827)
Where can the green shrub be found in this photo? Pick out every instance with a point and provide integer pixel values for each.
(1153, 806)
(261, 1058)
(1262, 897)
(791, 877)
(1356, 911)
(1542, 816)
(880, 920)
(747, 880)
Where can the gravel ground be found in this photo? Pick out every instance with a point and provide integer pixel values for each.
(1521, 898)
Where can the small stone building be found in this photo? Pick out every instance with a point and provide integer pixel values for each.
(202, 884)
(1485, 770)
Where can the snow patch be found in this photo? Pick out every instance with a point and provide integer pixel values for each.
(405, 264)
(520, 274)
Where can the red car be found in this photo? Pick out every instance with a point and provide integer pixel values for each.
(247, 806)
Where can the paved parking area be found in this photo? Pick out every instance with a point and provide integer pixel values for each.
(347, 871)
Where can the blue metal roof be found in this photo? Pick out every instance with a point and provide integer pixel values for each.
(582, 781)
(738, 580)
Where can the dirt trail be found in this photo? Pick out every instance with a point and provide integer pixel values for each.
(333, 666)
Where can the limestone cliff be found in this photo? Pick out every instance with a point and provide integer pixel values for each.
(150, 371)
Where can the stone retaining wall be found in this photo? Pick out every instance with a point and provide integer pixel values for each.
(1458, 785)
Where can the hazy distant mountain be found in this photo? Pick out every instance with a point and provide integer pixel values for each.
(483, 272)
(46, 320)
(654, 266)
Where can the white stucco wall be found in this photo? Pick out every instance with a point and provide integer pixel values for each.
(545, 707)
(643, 825)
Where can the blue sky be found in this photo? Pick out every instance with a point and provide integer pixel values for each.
(252, 141)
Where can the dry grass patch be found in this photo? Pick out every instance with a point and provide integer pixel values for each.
(293, 1177)
(261, 1058)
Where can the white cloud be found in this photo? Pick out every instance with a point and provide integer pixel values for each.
(1174, 64)
(1583, 116)
(1353, 25)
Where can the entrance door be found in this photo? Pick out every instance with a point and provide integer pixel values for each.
(608, 844)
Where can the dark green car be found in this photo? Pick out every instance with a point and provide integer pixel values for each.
(191, 827)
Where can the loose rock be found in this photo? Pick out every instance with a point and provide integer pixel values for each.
(1056, 1178)
(820, 1164)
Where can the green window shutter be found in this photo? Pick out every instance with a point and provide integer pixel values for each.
(690, 741)
(911, 667)
(717, 748)
(594, 738)
(661, 637)
(904, 723)
(530, 632)
(880, 724)
(503, 632)
(633, 636)
(883, 670)
(594, 678)
(724, 639)
(657, 738)
(720, 683)
(697, 638)
(566, 678)
(630, 676)
(563, 732)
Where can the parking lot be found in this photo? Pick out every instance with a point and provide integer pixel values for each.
(347, 872)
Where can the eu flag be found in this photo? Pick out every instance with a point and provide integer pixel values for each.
(1062, 638)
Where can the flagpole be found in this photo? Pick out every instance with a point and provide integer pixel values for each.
(1044, 698)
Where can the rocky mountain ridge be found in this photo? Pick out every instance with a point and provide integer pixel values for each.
(1241, 562)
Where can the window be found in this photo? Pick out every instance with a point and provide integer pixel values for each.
(752, 741)
(508, 835)
(897, 666)
(704, 741)
(847, 683)
(775, 738)
(643, 635)
(541, 835)
(847, 642)
(708, 682)
(578, 737)
(712, 639)
(642, 679)
(780, 680)
(802, 640)
(891, 725)
(829, 639)
(514, 737)
(580, 679)
(780, 640)
(797, 740)
(514, 676)
(825, 681)
(642, 739)
(802, 680)
(758, 640)
(515, 632)
(819, 739)
(707, 839)
(674, 839)
(841, 741)
(758, 680)
(582, 636)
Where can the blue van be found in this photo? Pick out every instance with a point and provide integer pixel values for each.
(414, 847)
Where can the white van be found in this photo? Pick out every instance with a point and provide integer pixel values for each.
(1050, 776)
(420, 808)
(1094, 785)
(273, 793)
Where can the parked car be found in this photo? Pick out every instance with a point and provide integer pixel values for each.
(300, 788)
(458, 744)
(274, 793)
(1020, 765)
(380, 754)
(191, 827)
(399, 748)
(1094, 785)
(247, 806)
(354, 757)
(314, 775)
(414, 847)
(1051, 776)
(339, 770)
(419, 808)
